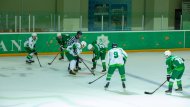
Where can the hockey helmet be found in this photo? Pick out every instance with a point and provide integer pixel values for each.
(58, 34)
(83, 43)
(114, 45)
(79, 32)
(90, 46)
(167, 53)
(34, 34)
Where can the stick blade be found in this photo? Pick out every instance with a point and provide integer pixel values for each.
(49, 63)
(90, 83)
(147, 92)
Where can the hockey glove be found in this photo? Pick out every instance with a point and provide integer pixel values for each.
(79, 58)
(35, 53)
(183, 59)
(124, 59)
(61, 48)
(168, 78)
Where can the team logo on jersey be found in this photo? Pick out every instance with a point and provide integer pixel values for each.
(103, 40)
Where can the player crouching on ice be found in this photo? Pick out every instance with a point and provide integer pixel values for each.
(175, 69)
(116, 60)
(29, 46)
(99, 51)
(72, 54)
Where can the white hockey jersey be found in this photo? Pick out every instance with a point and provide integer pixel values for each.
(116, 56)
(74, 49)
(30, 43)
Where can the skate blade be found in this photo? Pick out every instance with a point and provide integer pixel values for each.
(106, 89)
(124, 90)
(28, 63)
(181, 92)
(168, 93)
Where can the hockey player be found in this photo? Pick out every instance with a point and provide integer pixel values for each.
(30, 48)
(175, 69)
(72, 54)
(116, 60)
(99, 51)
(72, 40)
(62, 40)
(75, 39)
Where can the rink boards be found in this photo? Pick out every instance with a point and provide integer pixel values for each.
(13, 43)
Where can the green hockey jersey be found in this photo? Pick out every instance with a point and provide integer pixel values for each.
(98, 50)
(63, 40)
(174, 63)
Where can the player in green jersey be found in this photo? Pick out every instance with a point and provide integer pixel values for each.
(99, 51)
(62, 40)
(116, 60)
(175, 70)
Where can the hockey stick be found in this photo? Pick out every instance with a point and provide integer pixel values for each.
(53, 59)
(97, 79)
(86, 66)
(38, 60)
(155, 89)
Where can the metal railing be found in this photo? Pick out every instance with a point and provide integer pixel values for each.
(60, 23)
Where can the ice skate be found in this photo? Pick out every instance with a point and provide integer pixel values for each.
(93, 68)
(72, 72)
(104, 70)
(78, 68)
(28, 62)
(106, 86)
(31, 60)
(61, 58)
(179, 90)
(168, 91)
(123, 85)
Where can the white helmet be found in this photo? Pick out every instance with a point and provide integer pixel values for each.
(83, 43)
(34, 34)
(167, 53)
(58, 34)
(90, 46)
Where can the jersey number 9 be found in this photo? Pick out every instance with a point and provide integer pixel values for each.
(115, 54)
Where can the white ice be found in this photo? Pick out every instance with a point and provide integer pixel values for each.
(23, 85)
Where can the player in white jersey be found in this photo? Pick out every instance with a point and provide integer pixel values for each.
(116, 60)
(29, 46)
(75, 39)
(72, 54)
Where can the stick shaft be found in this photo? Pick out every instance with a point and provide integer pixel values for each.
(87, 66)
(156, 88)
(160, 86)
(97, 78)
(54, 58)
(38, 61)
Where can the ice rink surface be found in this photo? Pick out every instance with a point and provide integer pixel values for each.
(24, 85)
